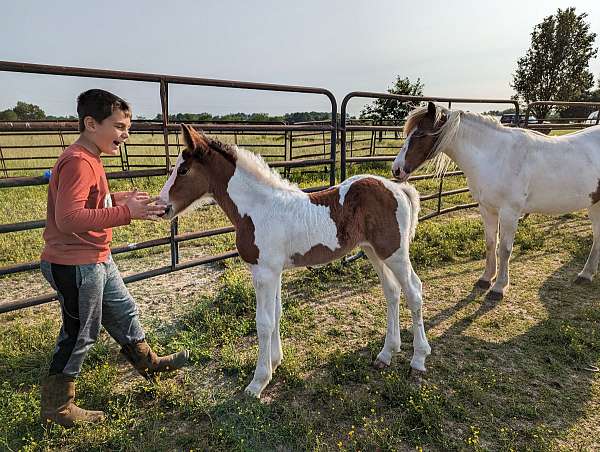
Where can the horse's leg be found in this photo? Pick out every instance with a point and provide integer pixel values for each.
(276, 352)
(509, 220)
(400, 264)
(591, 266)
(265, 282)
(391, 290)
(490, 227)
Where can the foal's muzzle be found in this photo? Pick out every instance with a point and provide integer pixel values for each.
(168, 212)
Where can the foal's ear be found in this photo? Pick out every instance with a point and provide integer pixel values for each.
(193, 140)
(431, 111)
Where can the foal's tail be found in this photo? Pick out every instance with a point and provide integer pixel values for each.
(415, 206)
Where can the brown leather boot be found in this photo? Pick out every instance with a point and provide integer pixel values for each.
(147, 363)
(58, 393)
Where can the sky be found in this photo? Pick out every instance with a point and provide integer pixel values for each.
(457, 48)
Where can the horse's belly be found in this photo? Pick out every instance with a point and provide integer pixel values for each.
(317, 255)
(556, 203)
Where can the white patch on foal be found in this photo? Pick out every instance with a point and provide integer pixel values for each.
(277, 214)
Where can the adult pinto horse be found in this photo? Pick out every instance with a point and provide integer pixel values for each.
(510, 172)
(279, 226)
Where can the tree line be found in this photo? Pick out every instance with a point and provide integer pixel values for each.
(24, 111)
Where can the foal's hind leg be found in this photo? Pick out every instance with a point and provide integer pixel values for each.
(391, 290)
(399, 263)
(591, 266)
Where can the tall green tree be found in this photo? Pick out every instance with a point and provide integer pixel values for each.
(391, 109)
(28, 112)
(556, 66)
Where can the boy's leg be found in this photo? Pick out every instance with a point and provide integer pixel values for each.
(80, 293)
(121, 319)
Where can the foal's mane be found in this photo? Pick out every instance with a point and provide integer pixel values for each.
(254, 165)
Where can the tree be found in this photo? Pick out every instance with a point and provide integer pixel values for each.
(28, 112)
(391, 109)
(8, 115)
(556, 65)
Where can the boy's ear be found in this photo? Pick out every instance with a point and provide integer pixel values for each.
(89, 123)
(194, 141)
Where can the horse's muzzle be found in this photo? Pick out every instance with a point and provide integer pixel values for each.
(400, 174)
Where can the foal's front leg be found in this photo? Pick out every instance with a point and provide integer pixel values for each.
(276, 351)
(509, 220)
(265, 283)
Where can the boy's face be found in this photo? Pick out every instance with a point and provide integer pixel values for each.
(110, 133)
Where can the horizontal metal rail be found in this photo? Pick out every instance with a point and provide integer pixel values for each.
(35, 301)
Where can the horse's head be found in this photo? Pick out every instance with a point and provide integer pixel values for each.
(422, 131)
(190, 180)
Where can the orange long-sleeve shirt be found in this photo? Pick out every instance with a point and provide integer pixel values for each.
(80, 211)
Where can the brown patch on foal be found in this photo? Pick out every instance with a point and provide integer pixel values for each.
(244, 227)
(207, 157)
(596, 195)
(368, 215)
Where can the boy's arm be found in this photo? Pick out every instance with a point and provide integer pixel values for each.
(71, 214)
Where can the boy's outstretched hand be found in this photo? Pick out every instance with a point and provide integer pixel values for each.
(141, 206)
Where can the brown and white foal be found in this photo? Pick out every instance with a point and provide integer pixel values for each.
(279, 226)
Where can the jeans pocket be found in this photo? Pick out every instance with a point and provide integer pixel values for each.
(46, 269)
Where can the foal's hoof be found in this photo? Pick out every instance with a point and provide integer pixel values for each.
(416, 376)
(492, 295)
(483, 284)
(582, 281)
(378, 364)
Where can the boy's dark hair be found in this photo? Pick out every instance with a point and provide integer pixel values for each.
(99, 104)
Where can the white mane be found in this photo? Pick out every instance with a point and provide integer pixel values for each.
(256, 166)
(448, 131)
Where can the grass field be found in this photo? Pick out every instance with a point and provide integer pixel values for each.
(510, 375)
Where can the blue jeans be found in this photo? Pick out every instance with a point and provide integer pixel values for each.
(90, 295)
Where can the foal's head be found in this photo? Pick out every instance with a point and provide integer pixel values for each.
(422, 131)
(194, 177)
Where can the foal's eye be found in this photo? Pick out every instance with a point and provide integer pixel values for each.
(182, 170)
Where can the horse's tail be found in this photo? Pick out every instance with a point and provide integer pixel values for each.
(415, 206)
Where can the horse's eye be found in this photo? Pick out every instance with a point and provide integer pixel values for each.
(182, 170)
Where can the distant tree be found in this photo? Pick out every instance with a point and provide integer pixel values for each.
(61, 118)
(492, 113)
(306, 116)
(391, 109)
(582, 112)
(8, 115)
(28, 112)
(556, 65)
(499, 112)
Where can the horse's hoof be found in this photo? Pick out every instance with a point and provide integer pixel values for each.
(378, 364)
(495, 296)
(483, 284)
(416, 376)
(582, 281)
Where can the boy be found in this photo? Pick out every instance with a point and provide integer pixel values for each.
(76, 259)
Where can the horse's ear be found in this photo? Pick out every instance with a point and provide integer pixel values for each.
(431, 111)
(193, 140)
